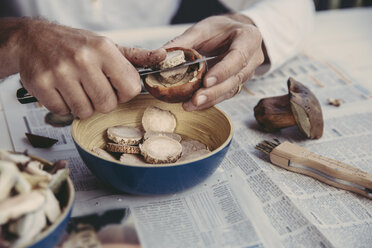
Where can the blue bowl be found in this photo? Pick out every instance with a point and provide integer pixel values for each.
(51, 236)
(211, 127)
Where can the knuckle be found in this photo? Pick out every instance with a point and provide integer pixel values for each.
(239, 78)
(131, 91)
(103, 42)
(59, 109)
(244, 58)
(224, 71)
(105, 103)
(42, 81)
(81, 110)
(83, 55)
(62, 69)
(83, 114)
(232, 92)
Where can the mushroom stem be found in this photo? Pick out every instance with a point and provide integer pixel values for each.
(274, 113)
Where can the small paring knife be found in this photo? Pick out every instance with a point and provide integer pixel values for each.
(332, 172)
(24, 97)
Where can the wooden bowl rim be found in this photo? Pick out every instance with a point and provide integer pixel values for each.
(215, 151)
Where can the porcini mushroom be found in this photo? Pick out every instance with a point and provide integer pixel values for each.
(299, 107)
(176, 85)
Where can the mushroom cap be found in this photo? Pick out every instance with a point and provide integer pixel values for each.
(183, 90)
(306, 109)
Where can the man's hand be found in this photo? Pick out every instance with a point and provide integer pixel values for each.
(239, 46)
(75, 70)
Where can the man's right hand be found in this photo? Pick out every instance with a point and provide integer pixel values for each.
(73, 70)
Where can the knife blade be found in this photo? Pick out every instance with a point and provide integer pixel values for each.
(24, 97)
(148, 71)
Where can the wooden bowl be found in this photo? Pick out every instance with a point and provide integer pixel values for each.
(211, 127)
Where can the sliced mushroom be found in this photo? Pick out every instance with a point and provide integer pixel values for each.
(170, 135)
(132, 159)
(16, 206)
(57, 179)
(155, 119)
(36, 168)
(51, 206)
(36, 180)
(300, 107)
(125, 135)
(102, 153)
(190, 145)
(9, 175)
(160, 149)
(173, 59)
(113, 147)
(14, 157)
(28, 227)
(194, 154)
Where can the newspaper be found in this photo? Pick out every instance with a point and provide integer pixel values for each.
(247, 202)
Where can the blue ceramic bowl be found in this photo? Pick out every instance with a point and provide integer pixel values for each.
(53, 234)
(211, 127)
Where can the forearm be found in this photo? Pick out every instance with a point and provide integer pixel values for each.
(11, 30)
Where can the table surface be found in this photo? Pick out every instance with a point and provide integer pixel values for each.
(343, 36)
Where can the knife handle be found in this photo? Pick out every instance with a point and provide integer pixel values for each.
(338, 174)
(24, 97)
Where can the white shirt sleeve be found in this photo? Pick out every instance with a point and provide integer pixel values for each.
(284, 25)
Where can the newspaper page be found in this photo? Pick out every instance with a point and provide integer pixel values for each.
(247, 202)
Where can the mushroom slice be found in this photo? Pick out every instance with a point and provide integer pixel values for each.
(194, 154)
(102, 153)
(125, 135)
(22, 185)
(36, 181)
(155, 119)
(174, 58)
(57, 179)
(36, 168)
(132, 159)
(51, 206)
(14, 207)
(161, 149)
(113, 147)
(9, 175)
(14, 157)
(28, 227)
(175, 75)
(190, 145)
(170, 135)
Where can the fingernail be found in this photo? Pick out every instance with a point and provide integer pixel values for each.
(210, 81)
(200, 100)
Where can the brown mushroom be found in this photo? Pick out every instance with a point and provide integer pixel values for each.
(180, 84)
(299, 107)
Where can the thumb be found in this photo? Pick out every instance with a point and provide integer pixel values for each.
(143, 57)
